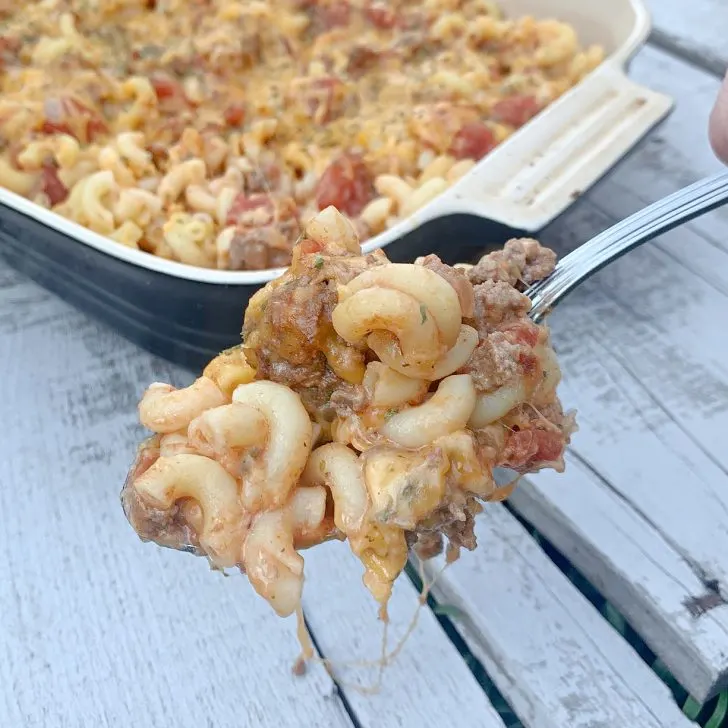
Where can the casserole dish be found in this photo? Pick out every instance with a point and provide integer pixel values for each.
(188, 314)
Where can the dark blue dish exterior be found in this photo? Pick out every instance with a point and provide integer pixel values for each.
(183, 321)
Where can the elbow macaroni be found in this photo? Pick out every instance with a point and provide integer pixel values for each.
(448, 410)
(164, 409)
(285, 443)
(412, 304)
(206, 482)
(200, 126)
(269, 550)
(404, 451)
(91, 201)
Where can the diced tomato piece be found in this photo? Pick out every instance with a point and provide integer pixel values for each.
(335, 14)
(526, 448)
(530, 365)
(381, 15)
(311, 246)
(95, 127)
(516, 110)
(52, 127)
(550, 445)
(244, 203)
(347, 184)
(525, 333)
(52, 186)
(166, 87)
(473, 141)
(67, 115)
(234, 115)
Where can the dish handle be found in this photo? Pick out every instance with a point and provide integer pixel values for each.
(536, 174)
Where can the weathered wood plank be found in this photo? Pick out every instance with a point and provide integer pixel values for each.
(694, 30)
(118, 617)
(556, 661)
(427, 681)
(630, 438)
(658, 310)
(644, 364)
(626, 557)
(90, 611)
(98, 629)
(678, 286)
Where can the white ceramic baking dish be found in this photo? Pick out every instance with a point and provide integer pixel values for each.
(522, 185)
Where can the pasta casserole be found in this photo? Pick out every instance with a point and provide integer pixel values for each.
(368, 402)
(205, 131)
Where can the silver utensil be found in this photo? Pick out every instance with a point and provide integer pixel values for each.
(658, 218)
(645, 225)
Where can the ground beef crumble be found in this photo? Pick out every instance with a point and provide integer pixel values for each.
(287, 327)
(494, 362)
(456, 278)
(496, 303)
(288, 323)
(454, 520)
(152, 524)
(522, 261)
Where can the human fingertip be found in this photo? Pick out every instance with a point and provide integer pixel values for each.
(719, 123)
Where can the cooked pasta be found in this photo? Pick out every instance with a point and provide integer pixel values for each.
(208, 131)
(303, 434)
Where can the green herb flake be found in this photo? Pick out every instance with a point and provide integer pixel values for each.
(390, 413)
(318, 263)
(423, 312)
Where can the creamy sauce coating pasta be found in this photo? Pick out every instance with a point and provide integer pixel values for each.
(304, 433)
(208, 131)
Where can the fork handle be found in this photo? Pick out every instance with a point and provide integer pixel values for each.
(645, 225)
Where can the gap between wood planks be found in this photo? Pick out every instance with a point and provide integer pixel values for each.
(645, 579)
(115, 366)
(701, 57)
(428, 680)
(643, 347)
(549, 652)
(340, 693)
(694, 31)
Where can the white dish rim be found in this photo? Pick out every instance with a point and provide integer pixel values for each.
(452, 201)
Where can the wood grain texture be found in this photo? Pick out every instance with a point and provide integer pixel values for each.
(626, 557)
(98, 629)
(695, 30)
(148, 636)
(428, 681)
(644, 356)
(559, 664)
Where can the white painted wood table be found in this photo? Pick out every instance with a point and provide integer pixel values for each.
(99, 630)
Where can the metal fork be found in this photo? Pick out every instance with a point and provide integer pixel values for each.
(645, 225)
